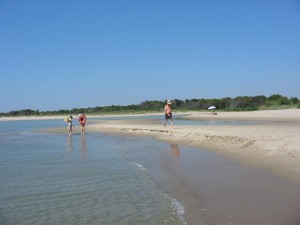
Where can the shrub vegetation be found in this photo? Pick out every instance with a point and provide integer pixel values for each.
(240, 103)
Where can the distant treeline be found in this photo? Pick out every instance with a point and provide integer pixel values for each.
(241, 103)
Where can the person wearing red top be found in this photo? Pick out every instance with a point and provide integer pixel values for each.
(168, 113)
(82, 121)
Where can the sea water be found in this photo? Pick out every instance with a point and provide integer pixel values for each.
(179, 119)
(78, 179)
(100, 179)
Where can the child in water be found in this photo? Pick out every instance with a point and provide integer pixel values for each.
(69, 121)
(82, 121)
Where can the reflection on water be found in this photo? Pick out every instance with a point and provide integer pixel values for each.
(57, 185)
(78, 144)
(83, 146)
(175, 150)
(70, 143)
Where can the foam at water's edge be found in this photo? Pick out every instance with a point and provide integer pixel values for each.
(175, 204)
(178, 208)
(140, 166)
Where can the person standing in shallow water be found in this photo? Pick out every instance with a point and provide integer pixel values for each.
(69, 121)
(168, 113)
(82, 121)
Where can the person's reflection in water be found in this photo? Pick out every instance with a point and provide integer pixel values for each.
(172, 160)
(83, 147)
(175, 150)
(70, 143)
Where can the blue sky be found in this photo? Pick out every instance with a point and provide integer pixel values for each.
(64, 54)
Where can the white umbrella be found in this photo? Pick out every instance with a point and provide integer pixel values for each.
(212, 107)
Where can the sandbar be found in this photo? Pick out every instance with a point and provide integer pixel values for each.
(273, 142)
(214, 189)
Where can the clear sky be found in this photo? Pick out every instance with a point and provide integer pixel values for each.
(64, 54)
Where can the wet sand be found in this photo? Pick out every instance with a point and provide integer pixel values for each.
(217, 190)
(273, 143)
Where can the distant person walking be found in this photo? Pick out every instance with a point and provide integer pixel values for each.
(69, 121)
(82, 121)
(168, 113)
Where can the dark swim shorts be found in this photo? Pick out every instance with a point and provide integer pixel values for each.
(168, 116)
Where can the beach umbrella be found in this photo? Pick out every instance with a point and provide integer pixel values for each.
(212, 107)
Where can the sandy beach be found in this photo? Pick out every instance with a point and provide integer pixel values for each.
(273, 143)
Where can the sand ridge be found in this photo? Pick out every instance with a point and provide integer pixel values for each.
(274, 144)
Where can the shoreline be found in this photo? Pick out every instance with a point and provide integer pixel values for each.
(273, 143)
(277, 157)
(17, 118)
(280, 115)
(218, 173)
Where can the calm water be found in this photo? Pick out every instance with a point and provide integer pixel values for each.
(89, 179)
(179, 119)
(111, 180)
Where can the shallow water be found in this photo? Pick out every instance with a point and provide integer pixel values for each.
(100, 179)
(179, 119)
(59, 179)
(219, 191)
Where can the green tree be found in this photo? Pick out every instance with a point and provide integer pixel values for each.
(294, 100)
